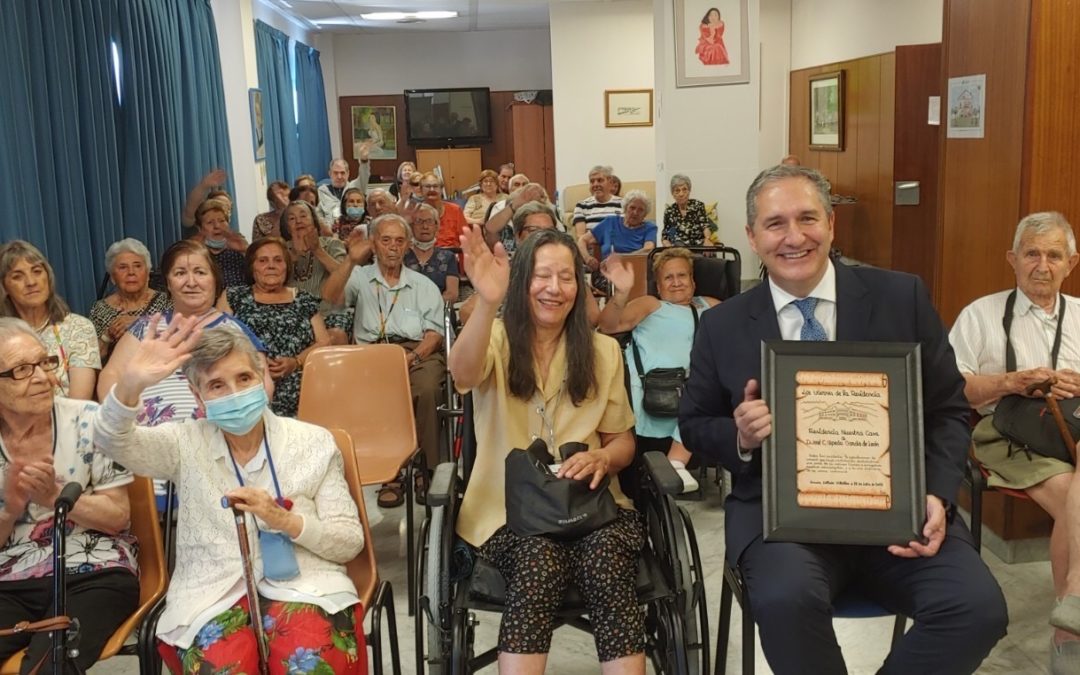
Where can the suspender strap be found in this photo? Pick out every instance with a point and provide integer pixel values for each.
(1006, 322)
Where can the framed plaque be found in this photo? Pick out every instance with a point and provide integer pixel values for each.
(844, 463)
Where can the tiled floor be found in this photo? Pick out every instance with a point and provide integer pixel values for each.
(864, 641)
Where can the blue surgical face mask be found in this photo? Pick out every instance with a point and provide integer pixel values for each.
(354, 212)
(237, 413)
(216, 244)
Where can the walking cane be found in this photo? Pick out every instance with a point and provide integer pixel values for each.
(249, 582)
(1043, 388)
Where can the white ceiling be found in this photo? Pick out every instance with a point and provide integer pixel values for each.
(343, 16)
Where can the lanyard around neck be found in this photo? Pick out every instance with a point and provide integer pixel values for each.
(384, 317)
(273, 473)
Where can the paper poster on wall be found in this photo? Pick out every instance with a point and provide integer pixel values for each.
(967, 107)
(712, 42)
(375, 125)
(933, 111)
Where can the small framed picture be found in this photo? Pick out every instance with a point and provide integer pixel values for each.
(628, 108)
(827, 111)
(258, 136)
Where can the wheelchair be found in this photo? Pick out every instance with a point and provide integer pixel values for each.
(670, 580)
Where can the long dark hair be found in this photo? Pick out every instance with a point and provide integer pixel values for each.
(720, 16)
(520, 331)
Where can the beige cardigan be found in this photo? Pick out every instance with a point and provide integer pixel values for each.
(193, 454)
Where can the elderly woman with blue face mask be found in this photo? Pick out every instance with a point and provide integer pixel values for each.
(287, 474)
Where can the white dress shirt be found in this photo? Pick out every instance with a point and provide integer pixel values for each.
(790, 318)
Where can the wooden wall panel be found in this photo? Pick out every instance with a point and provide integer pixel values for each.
(980, 177)
(916, 154)
(500, 150)
(864, 168)
(1053, 139)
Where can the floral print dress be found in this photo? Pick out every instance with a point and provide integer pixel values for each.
(689, 229)
(28, 553)
(285, 328)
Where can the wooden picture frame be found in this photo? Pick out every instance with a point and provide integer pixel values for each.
(628, 108)
(826, 111)
(258, 131)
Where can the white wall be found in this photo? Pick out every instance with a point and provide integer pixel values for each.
(597, 46)
(826, 31)
(236, 44)
(722, 136)
(388, 63)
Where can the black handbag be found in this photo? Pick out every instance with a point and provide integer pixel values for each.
(540, 504)
(662, 387)
(1024, 421)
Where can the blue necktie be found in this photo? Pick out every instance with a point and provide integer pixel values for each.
(812, 330)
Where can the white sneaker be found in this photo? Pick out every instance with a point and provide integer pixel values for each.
(689, 483)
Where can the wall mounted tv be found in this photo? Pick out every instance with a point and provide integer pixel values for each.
(448, 117)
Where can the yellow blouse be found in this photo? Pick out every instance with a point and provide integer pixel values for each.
(504, 422)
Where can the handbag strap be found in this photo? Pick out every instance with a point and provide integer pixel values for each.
(50, 624)
(637, 354)
(1006, 322)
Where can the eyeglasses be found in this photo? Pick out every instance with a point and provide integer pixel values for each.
(21, 372)
(530, 229)
(430, 186)
(424, 221)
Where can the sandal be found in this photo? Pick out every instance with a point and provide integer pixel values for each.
(1066, 614)
(391, 494)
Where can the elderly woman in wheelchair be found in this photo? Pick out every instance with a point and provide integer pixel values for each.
(541, 372)
(662, 334)
(287, 474)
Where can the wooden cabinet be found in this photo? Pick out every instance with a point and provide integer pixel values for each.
(534, 143)
(460, 166)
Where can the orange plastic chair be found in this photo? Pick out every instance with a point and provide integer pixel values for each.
(153, 577)
(364, 390)
(377, 595)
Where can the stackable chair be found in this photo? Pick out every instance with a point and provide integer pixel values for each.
(153, 576)
(670, 580)
(848, 606)
(364, 389)
(377, 595)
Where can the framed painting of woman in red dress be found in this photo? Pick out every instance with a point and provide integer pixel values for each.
(711, 42)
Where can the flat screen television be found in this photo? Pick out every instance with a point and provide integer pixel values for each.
(448, 117)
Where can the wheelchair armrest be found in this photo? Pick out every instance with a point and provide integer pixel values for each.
(662, 474)
(442, 484)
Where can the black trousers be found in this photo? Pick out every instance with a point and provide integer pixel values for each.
(100, 600)
(958, 609)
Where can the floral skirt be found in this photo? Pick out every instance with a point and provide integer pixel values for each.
(302, 638)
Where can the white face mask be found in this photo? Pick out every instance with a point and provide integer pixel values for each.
(424, 245)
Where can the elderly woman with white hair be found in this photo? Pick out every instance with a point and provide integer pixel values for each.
(128, 264)
(287, 474)
(434, 262)
(46, 442)
(627, 232)
(685, 220)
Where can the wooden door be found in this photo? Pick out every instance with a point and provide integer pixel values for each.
(534, 143)
(916, 154)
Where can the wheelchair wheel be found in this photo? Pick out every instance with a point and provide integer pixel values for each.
(434, 605)
(423, 602)
(695, 612)
(462, 648)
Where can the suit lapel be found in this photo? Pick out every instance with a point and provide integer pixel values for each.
(853, 306)
(762, 312)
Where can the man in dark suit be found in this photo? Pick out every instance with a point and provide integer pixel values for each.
(958, 609)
